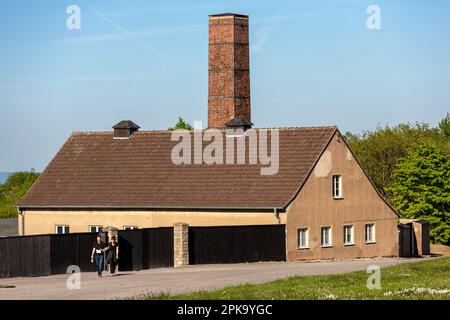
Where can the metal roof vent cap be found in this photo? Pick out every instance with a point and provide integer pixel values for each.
(237, 126)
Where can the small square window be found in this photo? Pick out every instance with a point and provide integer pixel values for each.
(302, 238)
(96, 229)
(325, 237)
(337, 187)
(62, 229)
(348, 235)
(370, 233)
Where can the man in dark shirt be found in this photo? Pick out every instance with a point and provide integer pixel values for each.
(98, 251)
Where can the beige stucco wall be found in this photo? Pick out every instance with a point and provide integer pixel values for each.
(45, 221)
(315, 207)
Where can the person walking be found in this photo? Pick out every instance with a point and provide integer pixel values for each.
(113, 255)
(98, 252)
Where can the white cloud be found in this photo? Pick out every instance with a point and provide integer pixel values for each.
(162, 31)
(262, 36)
(129, 34)
(263, 33)
(96, 77)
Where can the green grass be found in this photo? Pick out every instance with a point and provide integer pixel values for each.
(429, 279)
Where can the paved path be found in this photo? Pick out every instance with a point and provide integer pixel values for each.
(169, 280)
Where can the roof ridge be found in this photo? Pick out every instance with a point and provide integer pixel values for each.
(295, 128)
(170, 131)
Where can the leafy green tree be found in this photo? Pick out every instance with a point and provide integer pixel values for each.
(12, 190)
(380, 150)
(181, 125)
(421, 188)
(444, 126)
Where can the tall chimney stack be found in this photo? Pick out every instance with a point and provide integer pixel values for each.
(229, 69)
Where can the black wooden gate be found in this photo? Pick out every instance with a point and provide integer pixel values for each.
(406, 240)
(157, 248)
(237, 244)
(145, 248)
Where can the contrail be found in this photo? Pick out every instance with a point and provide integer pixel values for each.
(129, 34)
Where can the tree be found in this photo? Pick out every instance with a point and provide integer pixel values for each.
(380, 150)
(421, 188)
(13, 190)
(181, 125)
(444, 126)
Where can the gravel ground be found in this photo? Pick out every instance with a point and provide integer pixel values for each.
(170, 280)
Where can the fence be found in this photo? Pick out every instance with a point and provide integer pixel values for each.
(237, 244)
(42, 255)
(145, 248)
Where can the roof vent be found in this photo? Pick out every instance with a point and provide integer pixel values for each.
(125, 129)
(239, 122)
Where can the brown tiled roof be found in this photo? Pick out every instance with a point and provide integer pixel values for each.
(93, 170)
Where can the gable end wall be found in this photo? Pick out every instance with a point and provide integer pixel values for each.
(314, 207)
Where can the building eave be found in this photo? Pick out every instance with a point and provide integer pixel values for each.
(176, 208)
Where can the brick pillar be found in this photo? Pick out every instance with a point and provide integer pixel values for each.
(180, 244)
(112, 231)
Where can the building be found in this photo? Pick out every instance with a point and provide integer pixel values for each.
(127, 178)
(8, 228)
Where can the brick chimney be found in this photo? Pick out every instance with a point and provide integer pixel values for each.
(229, 69)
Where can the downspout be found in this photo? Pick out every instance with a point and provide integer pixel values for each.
(277, 215)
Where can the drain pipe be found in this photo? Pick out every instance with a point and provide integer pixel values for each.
(277, 215)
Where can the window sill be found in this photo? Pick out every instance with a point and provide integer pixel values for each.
(348, 244)
(370, 242)
(327, 246)
(303, 248)
(338, 198)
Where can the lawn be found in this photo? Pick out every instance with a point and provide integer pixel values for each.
(428, 279)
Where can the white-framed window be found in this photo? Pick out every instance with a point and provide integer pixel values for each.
(62, 229)
(348, 235)
(302, 238)
(95, 229)
(337, 186)
(325, 237)
(130, 228)
(370, 232)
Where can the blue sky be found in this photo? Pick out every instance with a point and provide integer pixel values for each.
(313, 62)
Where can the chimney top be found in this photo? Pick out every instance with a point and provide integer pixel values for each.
(228, 14)
(125, 129)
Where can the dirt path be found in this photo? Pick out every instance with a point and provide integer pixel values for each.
(186, 279)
